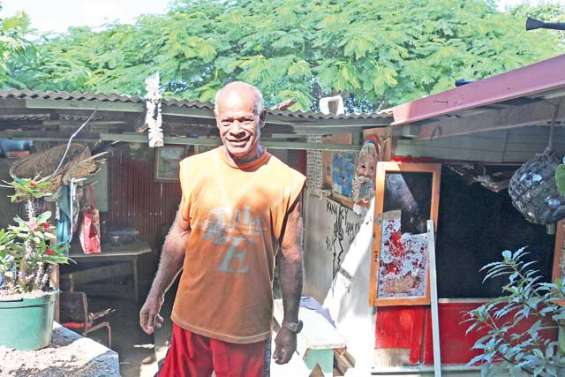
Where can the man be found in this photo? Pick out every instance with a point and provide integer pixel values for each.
(239, 204)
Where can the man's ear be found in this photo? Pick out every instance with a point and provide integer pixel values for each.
(262, 118)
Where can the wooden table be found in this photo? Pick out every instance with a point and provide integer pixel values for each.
(125, 256)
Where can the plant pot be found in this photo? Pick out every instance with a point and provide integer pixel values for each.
(27, 323)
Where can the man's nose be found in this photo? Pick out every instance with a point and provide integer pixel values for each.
(236, 127)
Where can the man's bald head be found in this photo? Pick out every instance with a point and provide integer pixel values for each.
(240, 89)
(239, 118)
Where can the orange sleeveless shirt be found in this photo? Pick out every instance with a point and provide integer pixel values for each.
(236, 216)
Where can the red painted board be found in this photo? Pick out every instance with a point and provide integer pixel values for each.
(409, 327)
(401, 327)
(456, 346)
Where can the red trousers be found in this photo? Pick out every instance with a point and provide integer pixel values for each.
(193, 355)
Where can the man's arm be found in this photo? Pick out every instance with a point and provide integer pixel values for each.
(290, 276)
(171, 262)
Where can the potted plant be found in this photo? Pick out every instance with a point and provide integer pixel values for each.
(28, 253)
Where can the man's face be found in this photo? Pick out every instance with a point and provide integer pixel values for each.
(238, 123)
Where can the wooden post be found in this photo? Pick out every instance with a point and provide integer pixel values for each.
(558, 255)
(434, 300)
(561, 337)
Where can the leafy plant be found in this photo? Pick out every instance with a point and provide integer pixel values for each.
(525, 297)
(560, 178)
(28, 249)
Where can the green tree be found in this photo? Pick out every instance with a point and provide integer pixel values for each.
(377, 51)
(13, 43)
(548, 12)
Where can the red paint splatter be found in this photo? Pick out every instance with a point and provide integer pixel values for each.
(396, 246)
(392, 268)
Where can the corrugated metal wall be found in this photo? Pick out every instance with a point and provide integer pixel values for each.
(136, 199)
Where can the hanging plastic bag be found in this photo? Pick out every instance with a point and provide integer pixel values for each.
(90, 231)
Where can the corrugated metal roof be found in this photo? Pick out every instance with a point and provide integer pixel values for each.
(30, 94)
(510, 87)
(102, 97)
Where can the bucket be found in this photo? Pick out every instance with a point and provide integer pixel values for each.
(27, 323)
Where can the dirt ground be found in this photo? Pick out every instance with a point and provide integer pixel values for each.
(135, 348)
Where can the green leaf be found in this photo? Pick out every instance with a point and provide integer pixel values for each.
(560, 178)
(42, 218)
(299, 69)
(507, 254)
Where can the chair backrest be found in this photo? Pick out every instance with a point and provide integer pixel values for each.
(74, 307)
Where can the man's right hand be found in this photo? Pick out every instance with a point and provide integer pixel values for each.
(149, 317)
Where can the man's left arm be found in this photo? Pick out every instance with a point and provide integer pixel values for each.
(290, 275)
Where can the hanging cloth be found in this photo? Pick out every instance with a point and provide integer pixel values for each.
(64, 233)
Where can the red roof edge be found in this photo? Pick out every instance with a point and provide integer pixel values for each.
(526, 81)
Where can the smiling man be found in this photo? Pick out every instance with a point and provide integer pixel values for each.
(240, 209)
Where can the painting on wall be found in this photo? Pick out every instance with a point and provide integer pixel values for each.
(407, 195)
(167, 161)
(338, 169)
(343, 168)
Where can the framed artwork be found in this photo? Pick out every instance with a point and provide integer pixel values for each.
(338, 169)
(167, 160)
(406, 196)
(343, 169)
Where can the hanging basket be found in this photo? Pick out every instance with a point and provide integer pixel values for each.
(533, 190)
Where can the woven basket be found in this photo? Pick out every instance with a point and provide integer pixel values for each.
(533, 190)
(44, 163)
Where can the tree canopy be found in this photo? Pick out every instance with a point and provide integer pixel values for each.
(376, 52)
(12, 42)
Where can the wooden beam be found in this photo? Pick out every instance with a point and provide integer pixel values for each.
(475, 148)
(38, 103)
(331, 123)
(536, 114)
(132, 138)
(45, 135)
(80, 122)
(12, 103)
(315, 130)
(190, 112)
(305, 126)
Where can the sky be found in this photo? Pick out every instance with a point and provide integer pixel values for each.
(58, 15)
